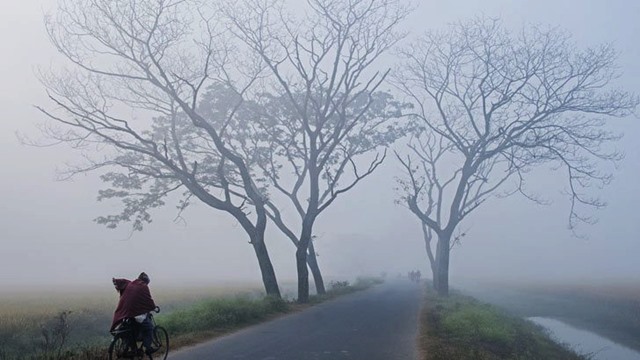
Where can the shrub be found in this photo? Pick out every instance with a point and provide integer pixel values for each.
(480, 323)
(338, 285)
(221, 314)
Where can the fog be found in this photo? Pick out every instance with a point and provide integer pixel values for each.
(49, 237)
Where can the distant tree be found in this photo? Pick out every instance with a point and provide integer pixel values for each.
(493, 105)
(323, 108)
(133, 101)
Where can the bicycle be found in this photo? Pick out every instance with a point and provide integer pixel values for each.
(127, 341)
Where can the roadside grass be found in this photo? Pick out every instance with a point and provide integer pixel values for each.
(217, 317)
(460, 327)
(609, 309)
(190, 317)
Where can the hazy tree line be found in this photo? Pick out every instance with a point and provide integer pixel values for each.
(253, 111)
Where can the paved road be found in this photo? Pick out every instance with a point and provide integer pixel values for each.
(377, 324)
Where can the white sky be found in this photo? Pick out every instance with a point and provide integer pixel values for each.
(47, 235)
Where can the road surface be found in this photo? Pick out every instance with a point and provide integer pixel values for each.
(377, 324)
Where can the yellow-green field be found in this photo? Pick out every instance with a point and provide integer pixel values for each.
(26, 314)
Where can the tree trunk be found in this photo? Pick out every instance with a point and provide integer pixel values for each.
(302, 258)
(303, 274)
(441, 280)
(428, 236)
(436, 266)
(315, 269)
(266, 268)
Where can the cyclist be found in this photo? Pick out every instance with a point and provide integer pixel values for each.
(136, 302)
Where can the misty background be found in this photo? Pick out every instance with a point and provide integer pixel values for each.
(48, 236)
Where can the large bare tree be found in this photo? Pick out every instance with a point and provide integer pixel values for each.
(285, 161)
(328, 110)
(491, 105)
(140, 72)
(256, 142)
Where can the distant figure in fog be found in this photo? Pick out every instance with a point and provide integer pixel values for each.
(414, 275)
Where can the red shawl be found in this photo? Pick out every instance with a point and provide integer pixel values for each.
(135, 299)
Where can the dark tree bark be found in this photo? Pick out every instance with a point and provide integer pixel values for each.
(312, 261)
(301, 259)
(315, 269)
(427, 234)
(441, 279)
(267, 272)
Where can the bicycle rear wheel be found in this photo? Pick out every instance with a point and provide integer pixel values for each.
(160, 342)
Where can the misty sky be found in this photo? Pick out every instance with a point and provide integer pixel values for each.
(48, 236)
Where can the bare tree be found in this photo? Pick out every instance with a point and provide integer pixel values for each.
(493, 105)
(140, 70)
(288, 152)
(321, 67)
(255, 142)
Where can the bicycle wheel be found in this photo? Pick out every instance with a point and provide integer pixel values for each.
(118, 348)
(160, 342)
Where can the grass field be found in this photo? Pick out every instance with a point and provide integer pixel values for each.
(190, 314)
(26, 315)
(462, 328)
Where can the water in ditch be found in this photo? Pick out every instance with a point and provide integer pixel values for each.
(586, 342)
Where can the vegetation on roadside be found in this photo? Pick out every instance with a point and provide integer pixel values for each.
(460, 327)
(51, 334)
(609, 309)
(216, 317)
(338, 288)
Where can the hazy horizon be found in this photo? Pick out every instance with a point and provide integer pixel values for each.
(49, 237)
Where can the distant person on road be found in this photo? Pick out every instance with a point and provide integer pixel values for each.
(135, 302)
(414, 275)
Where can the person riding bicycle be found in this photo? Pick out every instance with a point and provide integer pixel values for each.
(135, 302)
